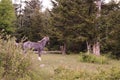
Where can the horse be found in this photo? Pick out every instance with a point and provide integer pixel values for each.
(36, 46)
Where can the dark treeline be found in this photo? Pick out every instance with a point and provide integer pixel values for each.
(74, 25)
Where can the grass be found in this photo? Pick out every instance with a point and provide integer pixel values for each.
(14, 66)
(52, 61)
(91, 58)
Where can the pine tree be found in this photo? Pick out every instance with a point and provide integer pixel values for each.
(111, 38)
(72, 19)
(84, 21)
(31, 21)
(7, 16)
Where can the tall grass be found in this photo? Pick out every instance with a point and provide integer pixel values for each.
(62, 73)
(91, 58)
(14, 65)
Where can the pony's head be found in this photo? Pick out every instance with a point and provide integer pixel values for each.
(46, 38)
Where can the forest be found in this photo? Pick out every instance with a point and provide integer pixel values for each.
(74, 27)
(77, 26)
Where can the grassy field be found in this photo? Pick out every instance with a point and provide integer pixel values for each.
(50, 62)
(16, 66)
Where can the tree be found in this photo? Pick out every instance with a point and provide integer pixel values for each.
(111, 41)
(85, 22)
(31, 21)
(7, 16)
(74, 21)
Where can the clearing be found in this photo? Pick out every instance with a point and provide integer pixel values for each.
(50, 62)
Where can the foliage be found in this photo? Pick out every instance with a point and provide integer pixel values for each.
(111, 30)
(91, 58)
(112, 74)
(14, 65)
(7, 16)
(72, 26)
(62, 73)
(29, 20)
(32, 23)
(76, 24)
(67, 74)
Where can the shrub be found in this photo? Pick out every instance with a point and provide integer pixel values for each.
(62, 73)
(110, 55)
(14, 65)
(91, 58)
(108, 74)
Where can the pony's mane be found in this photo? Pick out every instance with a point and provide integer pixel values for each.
(42, 40)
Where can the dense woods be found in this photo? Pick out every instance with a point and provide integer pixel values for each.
(80, 29)
(75, 26)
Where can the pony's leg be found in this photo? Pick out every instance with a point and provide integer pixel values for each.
(39, 56)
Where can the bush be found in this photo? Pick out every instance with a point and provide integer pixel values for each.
(62, 73)
(14, 65)
(111, 74)
(91, 58)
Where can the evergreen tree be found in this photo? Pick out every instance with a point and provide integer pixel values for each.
(31, 21)
(74, 21)
(111, 40)
(7, 16)
(84, 22)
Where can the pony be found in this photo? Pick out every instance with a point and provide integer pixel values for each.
(36, 46)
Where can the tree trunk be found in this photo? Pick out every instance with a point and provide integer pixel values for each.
(96, 48)
(96, 45)
(98, 5)
(63, 49)
(88, 48)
